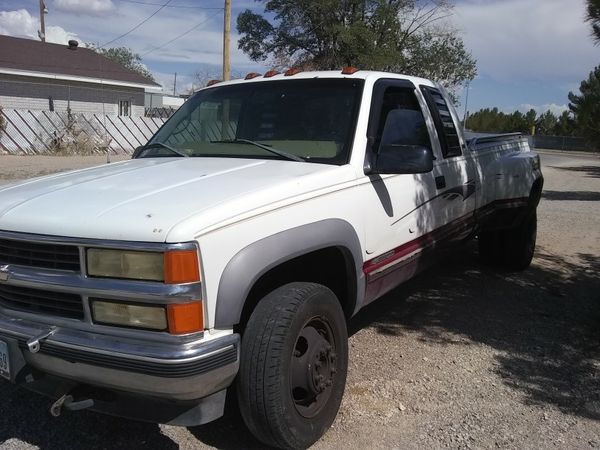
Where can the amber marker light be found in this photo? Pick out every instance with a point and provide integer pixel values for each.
(252, 75)
(181, 266)
(185, 318)
(212, 82)
(292, 71)
(349, 70)
(270, 73)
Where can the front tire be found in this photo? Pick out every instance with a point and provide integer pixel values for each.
(294, 360)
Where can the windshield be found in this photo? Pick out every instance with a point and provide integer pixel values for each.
(300, 120)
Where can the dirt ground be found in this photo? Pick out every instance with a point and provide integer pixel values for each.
(461, 357)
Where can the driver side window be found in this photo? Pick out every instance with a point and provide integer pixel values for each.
(407, 125)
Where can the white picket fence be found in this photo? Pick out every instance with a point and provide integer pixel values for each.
(43, 132)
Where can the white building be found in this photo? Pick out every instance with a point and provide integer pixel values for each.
(37, 75)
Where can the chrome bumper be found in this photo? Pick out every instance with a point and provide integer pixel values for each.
(172, 371)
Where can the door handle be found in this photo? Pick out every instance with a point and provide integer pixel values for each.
(440, 182)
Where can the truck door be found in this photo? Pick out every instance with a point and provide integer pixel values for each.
(396, 214)
(454, 173)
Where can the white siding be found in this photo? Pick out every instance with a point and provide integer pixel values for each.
(30, 93)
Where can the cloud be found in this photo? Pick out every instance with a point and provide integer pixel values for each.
(85, 7)
(20, 23)
(555, 109)
(545, 40)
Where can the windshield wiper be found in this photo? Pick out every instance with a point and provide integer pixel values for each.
(159, 145)
(268, 148)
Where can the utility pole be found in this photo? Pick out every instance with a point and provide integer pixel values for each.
(466, 116)
(175, 85)
(42, 31)
(226, 38)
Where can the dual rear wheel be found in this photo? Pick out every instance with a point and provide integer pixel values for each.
(511, 248)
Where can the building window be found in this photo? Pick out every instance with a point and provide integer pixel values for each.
(124, 108)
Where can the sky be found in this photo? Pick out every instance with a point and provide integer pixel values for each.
(530, 53)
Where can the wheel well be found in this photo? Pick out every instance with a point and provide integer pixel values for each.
(332, 267)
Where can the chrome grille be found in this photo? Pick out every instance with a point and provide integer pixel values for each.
(37, 300)
(48, 256)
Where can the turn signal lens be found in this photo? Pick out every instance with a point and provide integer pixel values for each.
(212, 82)
(181, 266)
(270, 73)
(185, 318)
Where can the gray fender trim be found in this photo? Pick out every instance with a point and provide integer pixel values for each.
(250, 263)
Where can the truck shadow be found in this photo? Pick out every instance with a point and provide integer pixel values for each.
(545, 321)
(25, 417)
(584, 196)
(590, 171)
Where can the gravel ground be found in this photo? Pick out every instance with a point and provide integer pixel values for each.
(461, 357)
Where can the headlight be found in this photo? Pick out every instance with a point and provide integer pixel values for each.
(125, 264)
(175, 318)
(172, 267)
(128, 315)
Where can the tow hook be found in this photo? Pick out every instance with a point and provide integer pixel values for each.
(68, 402)
(33, 344)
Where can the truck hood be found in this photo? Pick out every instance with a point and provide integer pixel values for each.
(154, 200)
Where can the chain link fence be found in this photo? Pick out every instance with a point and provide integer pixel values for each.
(562, 143)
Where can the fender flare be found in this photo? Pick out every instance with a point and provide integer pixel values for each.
(253, 261)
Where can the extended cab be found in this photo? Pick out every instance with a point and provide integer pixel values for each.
(235, 246)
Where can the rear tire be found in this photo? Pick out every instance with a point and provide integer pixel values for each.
(489, 247)
(512, 248)
(294, 359)
(520, 246)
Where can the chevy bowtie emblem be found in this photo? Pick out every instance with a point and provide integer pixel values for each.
(4, 273)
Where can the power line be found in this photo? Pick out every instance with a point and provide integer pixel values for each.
(170, 6)
(181, 35)
(138, 25)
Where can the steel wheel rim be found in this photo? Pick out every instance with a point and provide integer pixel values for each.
(313, 367)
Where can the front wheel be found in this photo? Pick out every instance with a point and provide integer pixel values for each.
(294, 359)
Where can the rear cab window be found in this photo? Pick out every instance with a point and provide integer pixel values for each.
(444, 123)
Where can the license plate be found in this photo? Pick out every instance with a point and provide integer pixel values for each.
(4, 361)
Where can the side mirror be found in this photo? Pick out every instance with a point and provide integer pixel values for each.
(402, 148)
(398, 159)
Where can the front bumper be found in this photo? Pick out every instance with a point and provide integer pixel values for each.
(169, 371)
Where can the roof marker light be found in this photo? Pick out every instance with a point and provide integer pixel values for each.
(292, 71)
(270, 73)
(251, 75)
(212, 82)
(349, 70)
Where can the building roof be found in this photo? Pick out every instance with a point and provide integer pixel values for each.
(59, 61)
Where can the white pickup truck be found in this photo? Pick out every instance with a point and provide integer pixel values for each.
(235, 246)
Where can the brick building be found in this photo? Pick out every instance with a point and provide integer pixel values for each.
(41, 76)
